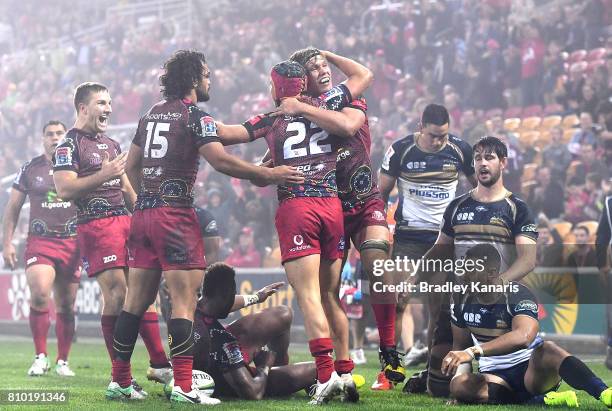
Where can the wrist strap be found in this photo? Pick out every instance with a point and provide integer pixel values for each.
(250, 299)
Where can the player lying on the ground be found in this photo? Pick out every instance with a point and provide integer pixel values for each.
(227, 353)
(515, 365)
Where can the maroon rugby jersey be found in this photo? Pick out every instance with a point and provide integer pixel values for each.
(354, 169)
(83, 153)
(171, 134)
(298, 142)
(50, 216)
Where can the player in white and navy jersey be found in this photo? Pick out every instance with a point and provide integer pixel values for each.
(426, 167)
(497, 325)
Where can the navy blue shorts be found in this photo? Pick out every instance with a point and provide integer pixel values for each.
(515, 377)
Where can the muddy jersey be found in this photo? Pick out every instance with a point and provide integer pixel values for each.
(50, 216)
(83, 153)
(296, 141)
(356, 183)
(170, 135)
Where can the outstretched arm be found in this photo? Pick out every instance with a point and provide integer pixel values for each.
(231, 134)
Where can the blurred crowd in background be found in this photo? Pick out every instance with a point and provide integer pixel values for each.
(535, 73)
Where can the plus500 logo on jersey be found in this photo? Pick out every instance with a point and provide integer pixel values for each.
(441, 195)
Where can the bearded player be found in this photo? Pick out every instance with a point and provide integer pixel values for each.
(364, 211)
(52, 257)
(309, 219)
(89, 169)
(165, 235)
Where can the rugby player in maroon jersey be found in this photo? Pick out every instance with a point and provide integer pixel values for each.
(309, 217)
(364, 211)
(51, 256)
(165, 234)
(89, 170)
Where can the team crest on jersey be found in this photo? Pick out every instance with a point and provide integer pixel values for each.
(211, 227)
(209, 128)
(449, 167)
(481, 208)
(501, 324)
(63, 156)
(497, 221)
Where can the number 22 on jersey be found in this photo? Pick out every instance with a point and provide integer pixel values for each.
(315, 144)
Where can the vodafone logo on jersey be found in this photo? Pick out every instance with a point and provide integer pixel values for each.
(298, 240)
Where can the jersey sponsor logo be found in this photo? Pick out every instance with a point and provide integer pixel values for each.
(102, 146)
(109, 259)
(441, 195)
(209, 128)
(481, 208)
(527, 305)
(39, 181)
(449, 167)
(163, 116)
(472, 318)
(416, 165)
(465, 216)
(31, 260)
(196, 337)
(63, 156)
(378, 216)
(52, 205)
(387, 159)
(298, 240)
(152, 171)
(343, 154)
(529, 228)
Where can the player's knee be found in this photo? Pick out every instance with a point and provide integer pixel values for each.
(39, 299)
(284, 315)
(438, 384)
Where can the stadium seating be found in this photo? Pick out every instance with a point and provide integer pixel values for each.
(528, 138)
(513, 112)
(549, 122)
(512, 124)
(591, 226)
(554, 108)
(531, 123)
(570, 121)
(592, 66)
(563, 228)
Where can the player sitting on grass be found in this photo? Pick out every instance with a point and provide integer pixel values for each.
(226, 353)
(515, 365)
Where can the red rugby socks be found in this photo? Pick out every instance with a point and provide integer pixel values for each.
(64, 330)
(344, 366)
(321, 349)
(39, 324)
(149, 331)
(180, 337)
(108, 327)
(385, 321)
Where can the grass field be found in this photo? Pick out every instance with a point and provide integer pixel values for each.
(89, 361)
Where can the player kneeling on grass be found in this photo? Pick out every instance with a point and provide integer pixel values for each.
(228, 353)
(515, 365)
